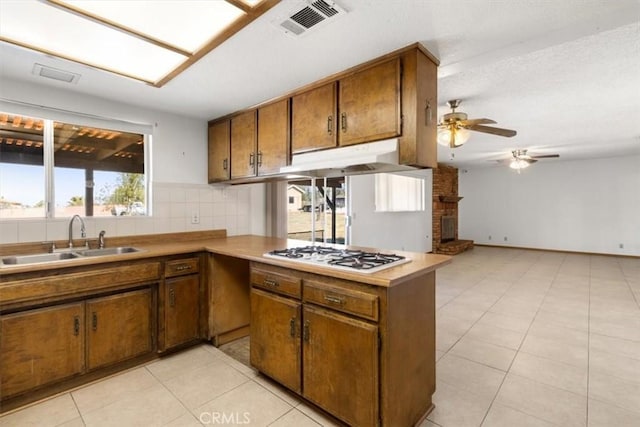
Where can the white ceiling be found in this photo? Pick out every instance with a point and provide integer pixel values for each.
(564, 74)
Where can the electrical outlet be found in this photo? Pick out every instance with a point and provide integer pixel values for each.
(195, 218)
(621, 245)
(505, 238)
(489, 237)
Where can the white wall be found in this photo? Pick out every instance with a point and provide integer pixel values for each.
(179, 174)
(585, 206)
(410, 231)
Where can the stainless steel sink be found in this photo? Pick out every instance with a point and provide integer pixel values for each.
(66, 254)
(108, 251)
(38, 258)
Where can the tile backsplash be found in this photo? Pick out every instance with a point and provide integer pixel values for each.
(217, 207)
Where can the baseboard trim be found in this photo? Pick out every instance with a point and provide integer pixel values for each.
(556, 250)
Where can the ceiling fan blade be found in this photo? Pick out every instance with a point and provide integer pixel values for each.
(546, 156)
(494, 131)
(474, 122)
(530, 160)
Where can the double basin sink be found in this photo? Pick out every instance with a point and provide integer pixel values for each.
(65, 255)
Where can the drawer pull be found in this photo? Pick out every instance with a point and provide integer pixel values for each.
(94, 321)
(271, 282)
(292, 327)
(330, 125)
(76, 325)
(225, 164)
(343, 122)
(334, 300)
(183, 267)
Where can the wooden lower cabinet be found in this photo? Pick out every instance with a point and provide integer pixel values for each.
(340, 360)
(182, 310)
(363, 353)
(41, 346)
(275, 337)
(328, 357)
(119, 327)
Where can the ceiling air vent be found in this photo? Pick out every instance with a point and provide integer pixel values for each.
(55, 74)
(308, 15)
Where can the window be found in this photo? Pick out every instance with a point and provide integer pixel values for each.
(325, 221)
(398, 193)
(54, 168)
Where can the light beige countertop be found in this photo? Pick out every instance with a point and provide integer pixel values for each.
(247, 247)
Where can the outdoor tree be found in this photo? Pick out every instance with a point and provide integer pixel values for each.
(76, 201)
(128, 189)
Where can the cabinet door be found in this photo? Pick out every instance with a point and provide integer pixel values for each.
(275, 337)
(340, 360)
(273, 137)
(243, 145)
(370, 104)
(313, 119)
(182, 310)
(219, 150)
(40, 346)
(118, 327)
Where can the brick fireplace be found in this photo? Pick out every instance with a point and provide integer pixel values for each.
(445, 212)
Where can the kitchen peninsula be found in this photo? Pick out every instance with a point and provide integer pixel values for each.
(361, 346)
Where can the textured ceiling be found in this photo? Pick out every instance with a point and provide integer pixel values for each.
(565, 75)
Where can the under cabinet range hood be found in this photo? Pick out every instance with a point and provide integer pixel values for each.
(372, 157)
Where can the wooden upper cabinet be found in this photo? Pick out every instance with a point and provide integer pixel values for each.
(369, 104)
(119, 327)
(273, 137)
(219, 150)
(40, 346)
(314, 119)
(243, 145)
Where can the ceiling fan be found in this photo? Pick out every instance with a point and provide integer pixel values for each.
(454, 127)
(520, 159)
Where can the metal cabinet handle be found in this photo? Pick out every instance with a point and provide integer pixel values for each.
(183, 267)
(330, 125)
(259, 158)
(428, 114)
(251, 159)
(94, 321)
(334, 300)
(172, 297)
(225, 164)
(76, 325)
(292, 327)
(271, 282)
(343, 122)
(305, 331)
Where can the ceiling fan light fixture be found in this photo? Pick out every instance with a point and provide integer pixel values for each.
(518, 164)
(452, 137)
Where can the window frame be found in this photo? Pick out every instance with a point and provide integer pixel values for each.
(49, 117)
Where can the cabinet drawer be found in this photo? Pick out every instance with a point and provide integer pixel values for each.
(278, 283)
(180, 267)
(345, 300)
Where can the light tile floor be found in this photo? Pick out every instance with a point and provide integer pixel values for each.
(524, 338)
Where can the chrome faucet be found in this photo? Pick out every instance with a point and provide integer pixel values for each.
(101, 239)
(83, 232)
